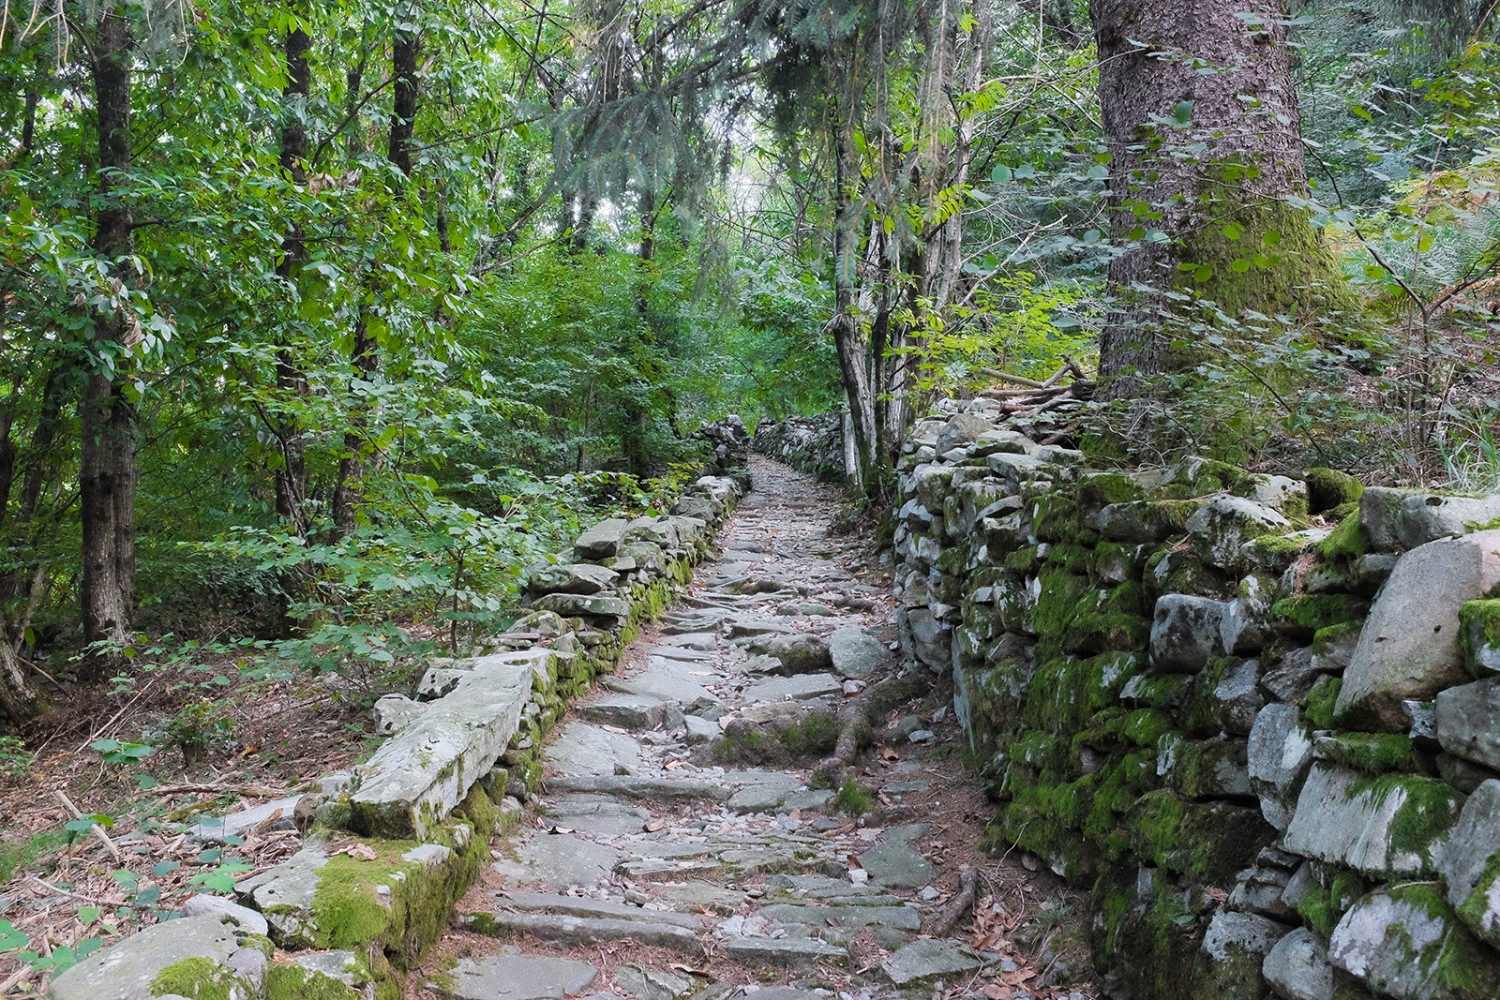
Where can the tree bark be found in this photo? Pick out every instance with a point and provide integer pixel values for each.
(107, 473)
(1201, 121)
(291, 381)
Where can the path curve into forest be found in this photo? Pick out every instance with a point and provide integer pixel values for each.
(735, 876)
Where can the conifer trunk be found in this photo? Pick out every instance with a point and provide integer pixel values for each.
(1201, 120)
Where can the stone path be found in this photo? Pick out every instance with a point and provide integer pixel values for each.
(678, 849)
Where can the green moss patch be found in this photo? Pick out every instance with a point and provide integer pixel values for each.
(199, 978)
(1479, 636)
(1329, 488)
(1310, 612)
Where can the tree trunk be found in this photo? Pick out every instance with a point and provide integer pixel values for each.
(107, 473)
(1219, 177)
(291, 381)
(848, 339)
(405, 48)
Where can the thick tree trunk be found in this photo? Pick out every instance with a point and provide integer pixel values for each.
(291, 381)
(107, 473)
(849, 340)
(1200, 116)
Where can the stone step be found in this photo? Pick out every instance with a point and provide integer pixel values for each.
(785, 951)
(636, 787)
(571, 929)
(577, 906)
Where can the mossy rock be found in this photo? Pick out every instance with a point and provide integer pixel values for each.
(1151, 945)
(1205, 841)
(1319, 702)
(1479, 636)
(1329, 488)
(1346, 543)
(1372, 753)
(286, 981)
(199, 978)
(1100, 489)
(1306, 614)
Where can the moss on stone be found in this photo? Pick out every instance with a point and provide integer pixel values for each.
(1372, 753)
(1479, 635)
(285, 981)
(1100, 489)
(1310, 612)
(1454, 964)
(1318, 703)
(1474, 910)
(853, 799)
(1205, 841)
(199, 977)
(1329, 488)
(1345, 543)
(1329, 897)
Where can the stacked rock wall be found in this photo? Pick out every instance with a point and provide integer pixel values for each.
(813, 444)
(1256, 717)
(460, 760)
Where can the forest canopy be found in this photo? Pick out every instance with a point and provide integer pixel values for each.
(321, 321)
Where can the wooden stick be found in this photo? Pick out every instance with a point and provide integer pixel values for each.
(60, 891)
(96, 829)
(959, 906)
(113, 718)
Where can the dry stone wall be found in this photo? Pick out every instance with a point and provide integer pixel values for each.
(415, 822)
(812, 444)
(1256, 717)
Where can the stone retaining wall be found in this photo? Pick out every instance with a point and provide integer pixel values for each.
(1256, 717)
(391, 847)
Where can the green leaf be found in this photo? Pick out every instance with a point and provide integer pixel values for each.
(1001, 174)
(10, 938)
(167, 867)
(1183, 111)
(1240, 265)
(1203, 273)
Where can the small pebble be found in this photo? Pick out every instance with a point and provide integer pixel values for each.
(922, 736)
(929, 893)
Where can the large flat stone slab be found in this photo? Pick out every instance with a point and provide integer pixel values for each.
(927, 960)
(559, 860)
(419, 775)
(1395, 825)
(128, 969)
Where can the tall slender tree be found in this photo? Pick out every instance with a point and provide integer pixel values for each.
(108, 473)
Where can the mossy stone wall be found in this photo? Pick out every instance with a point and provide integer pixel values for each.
(1146, 663)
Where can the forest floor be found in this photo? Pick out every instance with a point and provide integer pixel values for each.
(739, 879)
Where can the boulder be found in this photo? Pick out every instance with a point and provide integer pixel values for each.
(153, 961)
(1298, 967)
(1409, 647)
(603, 539)
(1427, 517)
(1468, 721)
(801, 653)
(855, 653)
(961, 429)
(1143, 521)
(1279, 756)
(1185, 632)
(1225, 523)
(1471, 849)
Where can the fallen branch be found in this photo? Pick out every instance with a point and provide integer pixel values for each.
(96, 829)
(247, 791)
(98, 733)
(959, 907)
